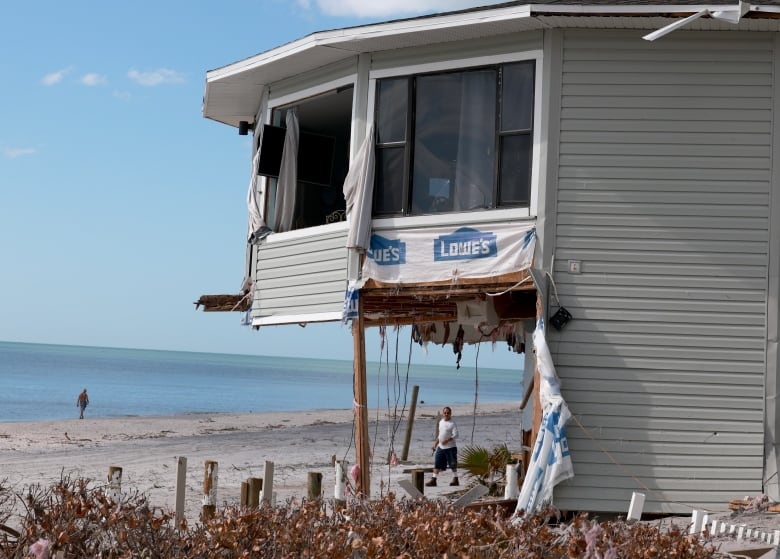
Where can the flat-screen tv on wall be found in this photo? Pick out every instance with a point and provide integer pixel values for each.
(315, 155)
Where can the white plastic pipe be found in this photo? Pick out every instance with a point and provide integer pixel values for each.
(636, 506)
(511, 490)
(338, 491)
(696, 522)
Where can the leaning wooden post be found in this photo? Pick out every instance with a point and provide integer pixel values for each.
(209, 489)
(181, 486)
(360, 405)
(268, 483)
(410, 422)
(314, 485)
(114, 482)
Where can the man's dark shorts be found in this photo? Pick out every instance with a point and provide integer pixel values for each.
(446, 458)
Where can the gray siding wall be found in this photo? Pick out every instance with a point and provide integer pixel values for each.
(663, 196)
(301, 276)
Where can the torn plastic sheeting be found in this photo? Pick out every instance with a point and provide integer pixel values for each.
(550, 461)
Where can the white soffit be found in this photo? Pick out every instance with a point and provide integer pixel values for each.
(233, 91)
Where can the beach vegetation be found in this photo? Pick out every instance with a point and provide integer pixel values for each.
(76, 518)
(486, 466)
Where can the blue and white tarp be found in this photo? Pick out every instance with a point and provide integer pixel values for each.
(449, 253)
(350, 309)
(550, 461)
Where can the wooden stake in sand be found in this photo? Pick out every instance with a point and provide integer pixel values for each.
(314, 486)
(268, 483)
(181, 486)
(254, 487)
(114, 482)
(209, 489)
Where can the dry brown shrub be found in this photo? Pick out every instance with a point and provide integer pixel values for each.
(79, 519)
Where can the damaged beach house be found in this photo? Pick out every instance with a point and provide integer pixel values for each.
(595, 180)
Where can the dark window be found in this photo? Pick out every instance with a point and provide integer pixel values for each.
(391, 157)
(323, 157)
(454, 141)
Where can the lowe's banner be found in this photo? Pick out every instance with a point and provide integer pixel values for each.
(448, 254)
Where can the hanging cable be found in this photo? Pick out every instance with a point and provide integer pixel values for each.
(508, 289)
(476, 391)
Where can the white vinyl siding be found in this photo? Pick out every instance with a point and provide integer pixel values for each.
(304, 275)
(486, 50)
(663, 196)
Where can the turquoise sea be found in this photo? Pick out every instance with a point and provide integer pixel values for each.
(41, 382)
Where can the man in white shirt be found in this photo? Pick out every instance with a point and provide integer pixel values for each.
(446, 449)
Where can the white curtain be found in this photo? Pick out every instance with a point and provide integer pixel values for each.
(474, 163)
(359, 193)
(256, 222)
(286, 185)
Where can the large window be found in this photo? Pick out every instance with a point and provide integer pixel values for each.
(454, 141)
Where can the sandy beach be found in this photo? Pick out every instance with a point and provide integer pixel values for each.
(147, 449)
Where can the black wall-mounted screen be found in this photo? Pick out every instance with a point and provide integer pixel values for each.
(315, 155)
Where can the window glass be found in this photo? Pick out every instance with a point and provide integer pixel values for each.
(515, 169)
(389, 191)
(454, 139)
(516, 89)
(392, 100)
(461, 141)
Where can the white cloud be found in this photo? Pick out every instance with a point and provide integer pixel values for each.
(122, 95)
(13, 153)
(56, 77)
(93, 79)
(156, 77)
(393, 8)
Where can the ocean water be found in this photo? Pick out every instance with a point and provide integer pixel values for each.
(41, 382)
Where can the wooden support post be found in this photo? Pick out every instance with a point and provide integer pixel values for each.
(362, 457)
(268, 483)
(114, 482)
(410, 422)
(418, 480)
(210, 471)
(181, 487)
(314, 486)
(254, 487)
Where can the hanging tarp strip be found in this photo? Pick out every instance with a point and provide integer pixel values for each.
(427, 255)
(550, 461)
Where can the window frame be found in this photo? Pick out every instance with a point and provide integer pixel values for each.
(293, 98)
(454, 65)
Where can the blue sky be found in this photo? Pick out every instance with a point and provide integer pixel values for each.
(119, 203)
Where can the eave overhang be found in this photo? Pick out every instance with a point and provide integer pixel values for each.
(233, 92)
